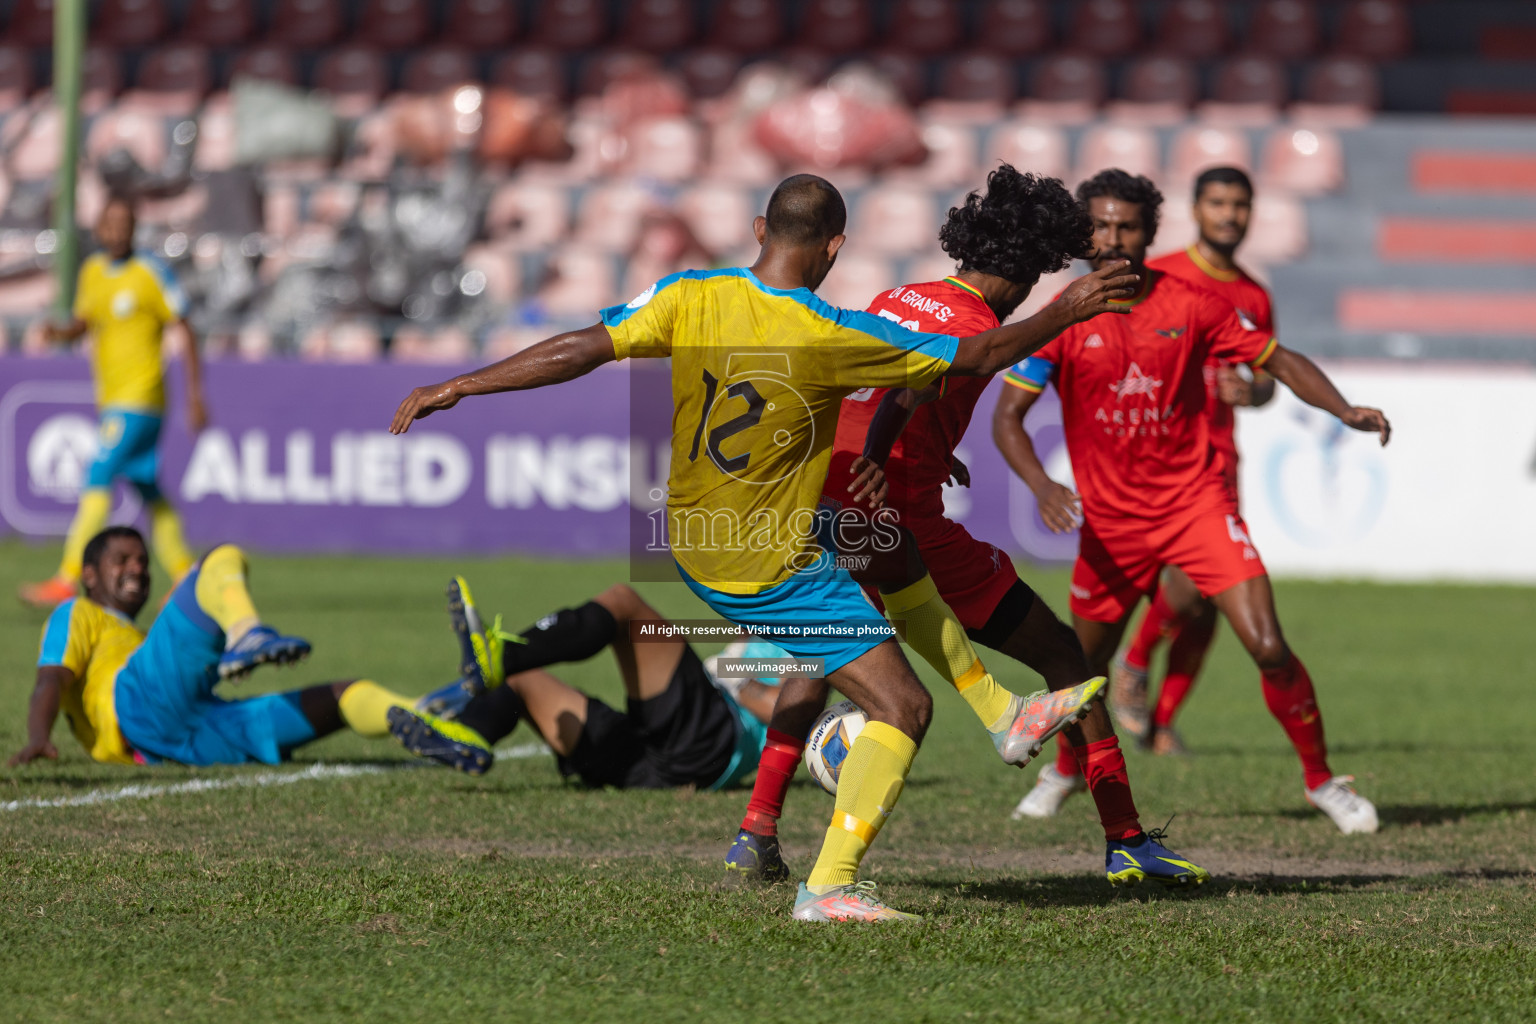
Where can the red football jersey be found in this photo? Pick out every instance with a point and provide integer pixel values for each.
(919, 462)
(1251, 300)
(1133, 399)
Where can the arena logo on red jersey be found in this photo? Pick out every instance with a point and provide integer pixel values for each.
(1135, 383)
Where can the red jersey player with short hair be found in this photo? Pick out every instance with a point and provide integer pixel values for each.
(1004, 240)
(1223, 203)
(1153, 488)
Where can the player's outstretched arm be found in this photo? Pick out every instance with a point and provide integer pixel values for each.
(891, 418)
(984, 354)
(51, 681)
(70, 330)
(1060, 507)
(1312, 386)
(552, 361)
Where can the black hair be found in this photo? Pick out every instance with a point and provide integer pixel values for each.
(1128, 188)
(97, 545)
(1223, 176)
(806, 210)
(1025, 226)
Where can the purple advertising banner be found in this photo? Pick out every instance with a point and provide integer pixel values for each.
(298, 457)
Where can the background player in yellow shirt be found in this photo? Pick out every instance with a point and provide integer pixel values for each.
(125, 301)
(136, 699)
(759, 369)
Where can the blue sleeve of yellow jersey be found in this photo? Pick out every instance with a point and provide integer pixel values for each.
(171, 295)
(643, 326)
(56, 648)
(1033, 374)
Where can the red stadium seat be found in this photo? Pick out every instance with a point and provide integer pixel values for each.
(1069, 78)
(393, 24)
(1193, 28)
(1127, 147)
(15, 76)
(1029, 147)
(1108, 28)
(129, 23)
(861, 275)
(306, 24)
(951, 161)
(658, 26)
(526, 215)
(1342, 81)
(437, 69)
(101, 76)
(609, 216)
(666, 149)
(1201, 146)
(1159, 79)
(978, 77)
(1251, 79)
(709, 73)
(268, 63)
(1376, 29)
(1283, 28)
(1278, 230)
(571, 24)
(1304, 161)
(532, 73)
(31, 23)
(140, 132)
(811, 65)
(219, 23)
(1018, 28)
(907, 73)
(746, 26)
(352, 71)
(481, 24)
(601, 70)
(923, 26)
(583, 279)
(720, 216)
(896, 220)
(837, 26)
(176, 69)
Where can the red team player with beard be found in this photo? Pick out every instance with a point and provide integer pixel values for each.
(1004, 240)
(1223, 203)
(1154, 493)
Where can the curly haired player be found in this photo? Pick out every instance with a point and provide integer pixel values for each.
(1004, 240)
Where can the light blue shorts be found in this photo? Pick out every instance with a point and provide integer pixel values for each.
(799, 613)
(129, 450)
(165, 701)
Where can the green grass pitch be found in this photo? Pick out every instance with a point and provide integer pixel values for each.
(414, 894)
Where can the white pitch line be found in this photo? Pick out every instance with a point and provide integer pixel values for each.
(517, 751)
(138, 792)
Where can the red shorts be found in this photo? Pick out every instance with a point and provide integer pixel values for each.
(1118, 560)
(971, 575)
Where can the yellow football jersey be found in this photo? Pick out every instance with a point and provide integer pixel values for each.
(758, 374)
(127, 304)
(94, 643)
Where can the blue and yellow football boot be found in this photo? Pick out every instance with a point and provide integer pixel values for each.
(438, 739)
(262, 645)
(1128, 863)
(480, 649)
(754, 860)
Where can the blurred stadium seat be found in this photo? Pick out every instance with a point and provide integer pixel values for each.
(438, 68)
(858, 277)
(393, 24)
(129, 23)
(1127, 147)
(1016, 28)
(15, 76)
(1278, 231)
(978, 77)
(1106, 28)
(1251, 79)
(443, 345)
(1304, 161)
(268, 63)
(101, 77)
(1195, 29)
(895, 220)
(172, 79)
(571, 24)
(709, 73)
(836, 26)
(907, 73)
(746, 26)
(31, 23)
(665, 149)
(1374, 29)
(1283, 28)
(306, 24)
(719, 215)
(1162, 80)
(480, 24)
(356, 72)
(348, 341)
(36, 154)
(923, 26)
(600, 70)
(527, 215)
(1200, 146)
(1029, 147)
(951, 162)
(140, 132)
(583, 279)
(532, 72)
(657, 26)
(1069, 78)
(219, 23)
(1342, 81)
(608, 215)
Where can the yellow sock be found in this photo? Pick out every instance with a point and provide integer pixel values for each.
(221, 592)
(930, 628)
(91, 517)
(867, 790)
(365, 707)
(166, 538)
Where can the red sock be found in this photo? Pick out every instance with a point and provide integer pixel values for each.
(1066, 759)
(1191, 639)
(1155, 627)
(1288, 692)
(775, 769)
(1103, 765)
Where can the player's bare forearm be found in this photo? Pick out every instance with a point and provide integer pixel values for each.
(759, 699)
(986, 353)
(1012, 439)
(71, 330)
(197, 413)
(1311, 385)
(891, 417)
(552, 361)
(41, 714)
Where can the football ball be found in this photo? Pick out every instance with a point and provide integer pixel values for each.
(831, 738)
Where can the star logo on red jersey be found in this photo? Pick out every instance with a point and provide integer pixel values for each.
(1135, 383)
